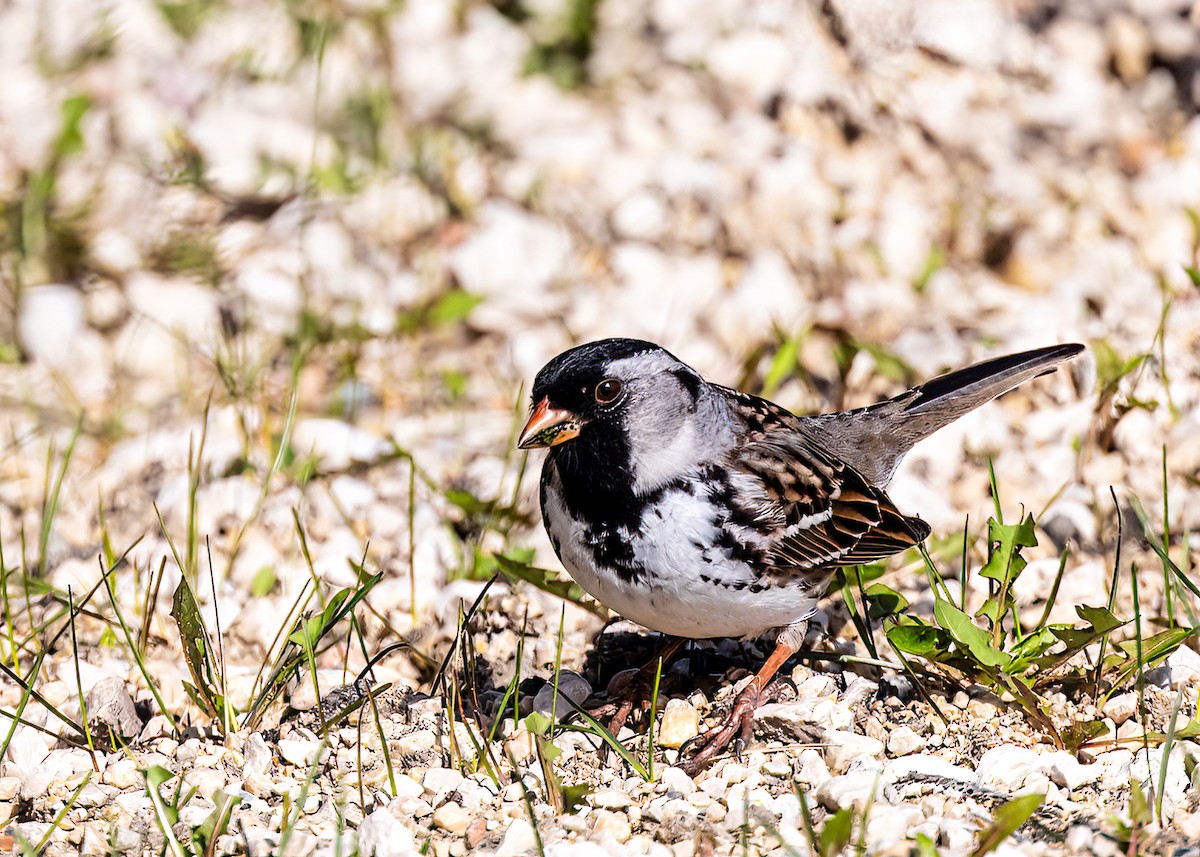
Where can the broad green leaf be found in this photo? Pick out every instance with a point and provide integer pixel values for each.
(968, 635)
(1101, 619)
(1005, 821)
(884, 601)
(1078, 734)
(214, 825)
(197, 652)
(1154, 650)
(537, 723)
(835, 832)
(921, 640)
(1031, 647)
(453, 306)
(1139, 807)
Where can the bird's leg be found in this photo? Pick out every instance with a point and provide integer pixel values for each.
(626, 689)
(740, 722)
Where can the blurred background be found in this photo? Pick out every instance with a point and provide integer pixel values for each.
(264, 257)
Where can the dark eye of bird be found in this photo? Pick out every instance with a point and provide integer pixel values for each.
(607, 391)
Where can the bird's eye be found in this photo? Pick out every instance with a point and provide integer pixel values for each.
(607, 391)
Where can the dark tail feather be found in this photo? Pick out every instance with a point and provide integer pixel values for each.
(944, 399)
(874, 439)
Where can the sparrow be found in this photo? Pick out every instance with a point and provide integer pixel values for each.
(700, 511)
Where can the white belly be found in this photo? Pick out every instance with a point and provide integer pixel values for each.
(684, 589)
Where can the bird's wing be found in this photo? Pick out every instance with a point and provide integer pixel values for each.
(797, 507)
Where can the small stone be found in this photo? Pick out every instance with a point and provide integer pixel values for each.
(92, 795)
(777, 768)
(111, 713)
(452, 818)
(680, 723)
(10, 787)
(1121, 707)
(803, 719)
(298, 751)
(957, 835)
(518, 841)
(677, 781)
(258, 756)
(923, 765)
(903, 740)
(842, 748)
(406, 786)
(961, 700)
(381, 834)
(571, 686)
(441, 781)
(859, 690)
(615, 824)
(848, 790)
(476, 832)
(610, 799)
(122, 774)
(1129, 730)
(1066, 772)
(1006, 765)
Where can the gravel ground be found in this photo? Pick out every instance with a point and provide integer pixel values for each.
(356, 229)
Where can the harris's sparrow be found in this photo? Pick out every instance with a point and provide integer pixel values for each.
(699, 511)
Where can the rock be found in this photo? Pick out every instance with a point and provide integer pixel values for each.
(111, 713)
(1130, 45)
(859, 690)
(257, 755)
(518, 840)
(298, 751)
(641, 216)
(898, 771)
(903, 740)
(510, 253)
(1065, 770)
(406, 786)
(802, 719)
(852, 789)
(452, 818)
(51, 318)
(680, 723)
(56, 768)
(610, 799)
(1181, 667)
(842, 748)
(381, 834)
(1121, 707)
(1007, 766)
(677, 781)
(571, 686)
(440, 782)
(811, 768)
(613, 824)
(122, 774)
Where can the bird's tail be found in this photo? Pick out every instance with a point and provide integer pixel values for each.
(875, 438)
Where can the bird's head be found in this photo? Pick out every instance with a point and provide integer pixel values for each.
(612, 390)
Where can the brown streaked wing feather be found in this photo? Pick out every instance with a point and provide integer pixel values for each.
(799, 481)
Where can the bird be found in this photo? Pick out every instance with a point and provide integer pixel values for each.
(699, 511)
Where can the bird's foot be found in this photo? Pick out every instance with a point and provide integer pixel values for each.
(628, 691)
(631, 690)
(737, 728)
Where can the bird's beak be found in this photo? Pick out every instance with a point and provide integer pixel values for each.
(548, 426)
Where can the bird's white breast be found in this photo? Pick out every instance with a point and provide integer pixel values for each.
(688, 587)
